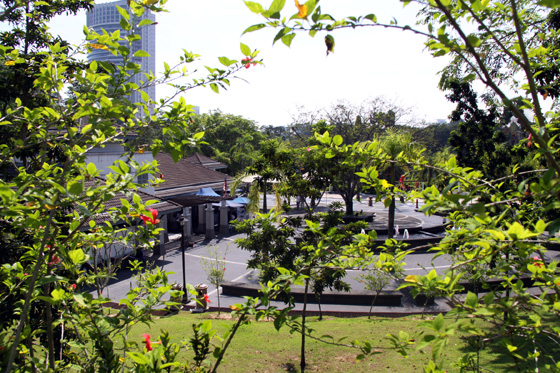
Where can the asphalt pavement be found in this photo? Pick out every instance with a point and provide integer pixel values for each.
(237, 272)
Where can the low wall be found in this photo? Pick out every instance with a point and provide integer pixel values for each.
(357, 298)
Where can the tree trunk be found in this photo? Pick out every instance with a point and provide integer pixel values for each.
(391, 218)
(348, 204)
(302, 361)
(265, 207)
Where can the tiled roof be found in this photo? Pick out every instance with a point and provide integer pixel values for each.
(163, 207)
(205, 161)
(186, 177)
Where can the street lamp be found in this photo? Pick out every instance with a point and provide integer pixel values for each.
(181, 220)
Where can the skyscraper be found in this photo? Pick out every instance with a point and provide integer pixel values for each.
(105, 16)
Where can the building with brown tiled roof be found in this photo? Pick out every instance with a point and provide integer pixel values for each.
(115, 249)
(205, 161)
(185, 178)
(163, 207)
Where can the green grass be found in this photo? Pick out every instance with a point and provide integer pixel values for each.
(258, 347)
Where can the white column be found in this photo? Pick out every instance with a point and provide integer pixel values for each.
(187, 228)
(210, 233)
(224, 221)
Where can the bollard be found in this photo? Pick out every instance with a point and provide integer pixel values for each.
(370, 201)
(201, 291)
(178, 299)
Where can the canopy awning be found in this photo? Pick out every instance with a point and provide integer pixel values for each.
(242, 200)
(207, 192)
(228, 204)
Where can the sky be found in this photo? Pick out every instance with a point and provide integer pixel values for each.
(366, 63)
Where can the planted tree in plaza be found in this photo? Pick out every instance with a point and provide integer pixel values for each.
(398, 148)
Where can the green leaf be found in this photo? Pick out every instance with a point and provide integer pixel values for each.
(337, 140)
(540, 227)
(371, 17)
(474, 40)
(141, 53)
(91, 169)
(550, 3)
(225, 61)
(254, 28)
(438, 322)
(285, 31)
(277, 5)
(87, 128)
(426, 340)
(77, 256)
(215, 87)
(254, 7)
(206, 326)
(58, 294)
(245, 49)
(145, 22)
(516, 231)
(79, 298)
(125, 25)
(75, 188)
(472, 300)
(139, 358)
(287, 39)
(123, 13)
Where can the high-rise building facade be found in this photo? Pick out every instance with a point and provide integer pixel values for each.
(105, 16)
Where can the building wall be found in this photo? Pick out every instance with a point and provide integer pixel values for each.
(106, 17)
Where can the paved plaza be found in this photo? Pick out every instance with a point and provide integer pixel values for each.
(237, 271)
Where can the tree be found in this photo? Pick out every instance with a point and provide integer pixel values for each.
(273, 161)
(434, 137)
(233, 136)
(498, 43)
(363, 122)
(228, 138)
(397, 147)
(55, 210)
(480, 140)
(353, 122)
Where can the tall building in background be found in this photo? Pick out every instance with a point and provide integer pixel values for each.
(105, 16)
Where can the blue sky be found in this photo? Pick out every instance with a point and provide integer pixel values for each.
(366, 63)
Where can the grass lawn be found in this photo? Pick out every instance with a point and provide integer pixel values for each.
(258, 347)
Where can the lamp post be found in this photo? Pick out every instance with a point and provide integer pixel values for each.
(182, 222)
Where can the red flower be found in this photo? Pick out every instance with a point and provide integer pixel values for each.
(529, 143)
(537, 262)
(152, 219)
(161, 176)
(147, 342)
(73, 286)
(207, 298)
(54, 260)
(248, 62)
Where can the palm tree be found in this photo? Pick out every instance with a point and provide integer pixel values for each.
(397, 145)
(274, 158)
